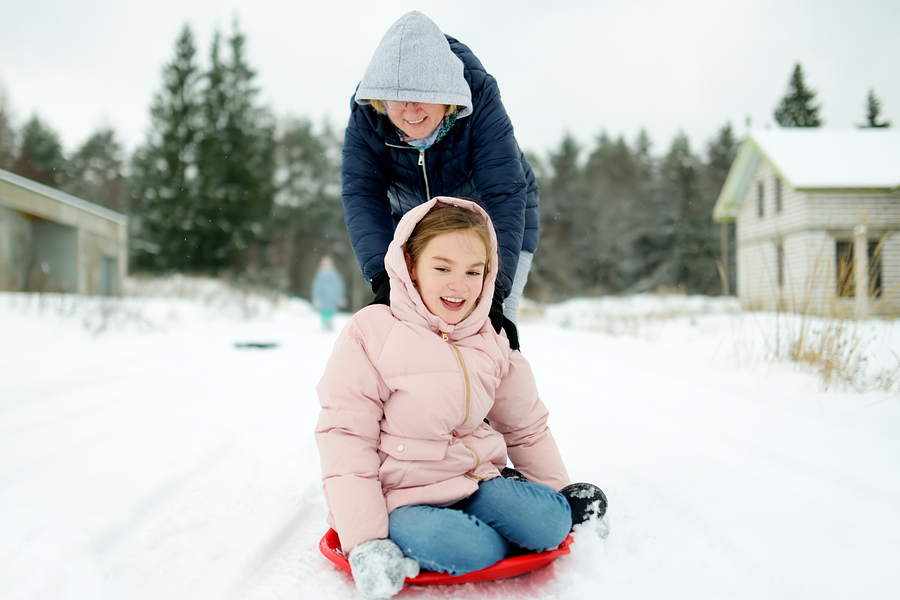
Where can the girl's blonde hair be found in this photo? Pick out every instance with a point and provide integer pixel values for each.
(381, 108)
(445, 218)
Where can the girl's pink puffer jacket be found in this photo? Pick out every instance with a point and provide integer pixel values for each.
(404, 397)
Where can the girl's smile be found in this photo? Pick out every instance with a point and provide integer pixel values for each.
(450, 274)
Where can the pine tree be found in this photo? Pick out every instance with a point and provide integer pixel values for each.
(613, 184)
(7, 134)
(797, 108)
(720, 154)
(873, 111)
(695, 239)
(236, 163)
(649, 241)
(95, 171)
(308, 215)
(555, 271)
(214, 222)
(164, 180)
(40, 155)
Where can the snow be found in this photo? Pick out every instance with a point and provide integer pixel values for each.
(812, 157)
(144, 455)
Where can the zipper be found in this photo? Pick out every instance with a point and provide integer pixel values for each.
(421, 163)
(425, 175)
(465, 372)
(469, 474)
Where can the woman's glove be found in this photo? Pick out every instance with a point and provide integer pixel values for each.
(500, 322)
(379, 568)
(381, 286)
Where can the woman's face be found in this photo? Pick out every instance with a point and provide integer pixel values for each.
(415, 119)
(450, 274)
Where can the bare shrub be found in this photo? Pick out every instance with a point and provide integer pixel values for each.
(836, 348)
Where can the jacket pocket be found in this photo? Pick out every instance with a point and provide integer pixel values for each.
(404, 448)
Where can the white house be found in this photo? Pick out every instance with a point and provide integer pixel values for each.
(51, 241)
(817, 218)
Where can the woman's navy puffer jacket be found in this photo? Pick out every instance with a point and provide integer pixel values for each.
(382, 178)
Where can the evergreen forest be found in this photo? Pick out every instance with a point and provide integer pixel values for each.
(221, 187)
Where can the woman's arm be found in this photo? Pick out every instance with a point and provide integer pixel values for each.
(364, 186)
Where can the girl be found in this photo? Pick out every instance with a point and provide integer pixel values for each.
(411, 467)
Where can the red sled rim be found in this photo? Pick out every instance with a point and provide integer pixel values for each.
(330, 546)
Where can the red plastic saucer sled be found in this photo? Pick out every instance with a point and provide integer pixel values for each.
(330, 546)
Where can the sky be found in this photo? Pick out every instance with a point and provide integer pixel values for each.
(579, 67)
(144, 456)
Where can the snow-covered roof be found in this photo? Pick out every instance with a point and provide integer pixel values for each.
(815, 159)
(63, 197)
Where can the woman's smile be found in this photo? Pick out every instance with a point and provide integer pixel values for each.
(417, 120)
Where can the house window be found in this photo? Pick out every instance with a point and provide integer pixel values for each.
(846, 276)
(777, 194)
(780, 251)
(761, 197)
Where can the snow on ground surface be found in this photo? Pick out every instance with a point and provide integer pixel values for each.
(143, 455)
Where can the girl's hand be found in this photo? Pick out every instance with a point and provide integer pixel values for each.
(379, 568)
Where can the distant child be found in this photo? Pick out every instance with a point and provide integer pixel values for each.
(328, 292)
(422, 405)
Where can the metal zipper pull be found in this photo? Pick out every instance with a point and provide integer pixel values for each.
(421, 158)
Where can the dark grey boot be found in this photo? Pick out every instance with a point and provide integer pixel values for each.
(587, 502)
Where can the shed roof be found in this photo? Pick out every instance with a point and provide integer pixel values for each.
(815, 159)
(63, 197)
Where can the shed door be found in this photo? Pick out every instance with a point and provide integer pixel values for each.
(107, 278)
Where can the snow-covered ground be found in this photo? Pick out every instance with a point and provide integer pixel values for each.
(143, 455)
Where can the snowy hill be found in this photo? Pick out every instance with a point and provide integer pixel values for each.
(144, 454)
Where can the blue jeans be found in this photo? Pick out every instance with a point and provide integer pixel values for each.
(495, 522)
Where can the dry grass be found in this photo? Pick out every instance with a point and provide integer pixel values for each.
(837, 349)
(829, 337)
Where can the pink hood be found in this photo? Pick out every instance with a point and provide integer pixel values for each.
(407, 304)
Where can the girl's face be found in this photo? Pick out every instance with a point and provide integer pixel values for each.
(450, 274)
(416, 120)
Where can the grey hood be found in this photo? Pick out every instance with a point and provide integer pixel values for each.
(414, 63)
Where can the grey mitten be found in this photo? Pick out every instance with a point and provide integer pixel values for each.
(379, 568)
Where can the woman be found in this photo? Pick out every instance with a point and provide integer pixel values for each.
(426, 121)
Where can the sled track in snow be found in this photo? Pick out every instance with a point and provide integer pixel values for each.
(290, 556)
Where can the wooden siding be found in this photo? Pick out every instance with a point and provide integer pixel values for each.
(807, 228)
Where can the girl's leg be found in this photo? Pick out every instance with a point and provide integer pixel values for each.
(527, 514)
(446, 540)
